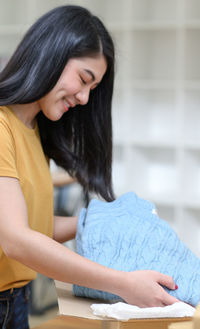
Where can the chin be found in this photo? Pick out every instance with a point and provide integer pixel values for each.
(55, 117)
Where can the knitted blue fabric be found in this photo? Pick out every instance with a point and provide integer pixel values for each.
(127, 235)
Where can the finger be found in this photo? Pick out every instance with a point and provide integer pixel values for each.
(167, 281)
(168, 299)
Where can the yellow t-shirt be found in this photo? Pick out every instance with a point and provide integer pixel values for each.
(22, 157)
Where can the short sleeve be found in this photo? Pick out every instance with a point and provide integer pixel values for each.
(7, 152)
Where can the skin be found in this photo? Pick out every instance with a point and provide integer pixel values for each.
(48, 256)
(79, 77)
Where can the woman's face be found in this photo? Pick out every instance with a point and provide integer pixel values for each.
(78, 78)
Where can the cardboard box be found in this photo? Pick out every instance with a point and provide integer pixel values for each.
(76, 307)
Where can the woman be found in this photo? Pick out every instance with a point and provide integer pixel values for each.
(55, 98)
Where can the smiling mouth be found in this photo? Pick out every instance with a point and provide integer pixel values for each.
(66, 105)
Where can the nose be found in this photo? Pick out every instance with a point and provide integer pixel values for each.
(83, 95)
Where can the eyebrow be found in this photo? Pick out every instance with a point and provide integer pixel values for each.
(91, 74)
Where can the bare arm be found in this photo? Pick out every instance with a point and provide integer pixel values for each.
(52, 259)
(64, 228)
(61, 178)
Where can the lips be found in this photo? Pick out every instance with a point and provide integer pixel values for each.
(66, 105)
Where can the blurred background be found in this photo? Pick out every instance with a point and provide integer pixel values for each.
(156, 106)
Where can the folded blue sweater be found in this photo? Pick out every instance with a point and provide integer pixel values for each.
(127, 235)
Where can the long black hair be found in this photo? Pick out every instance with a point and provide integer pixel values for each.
(81, 141)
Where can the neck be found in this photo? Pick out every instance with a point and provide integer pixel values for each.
(26, 113)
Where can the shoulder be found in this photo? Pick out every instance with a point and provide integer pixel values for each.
(4, 114)
(5, 124)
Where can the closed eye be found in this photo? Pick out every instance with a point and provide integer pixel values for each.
(83, 81)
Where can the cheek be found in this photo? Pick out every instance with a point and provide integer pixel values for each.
(69, 87)
(46, 102)
(43, 103)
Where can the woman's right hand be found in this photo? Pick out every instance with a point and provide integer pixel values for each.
(144, 288)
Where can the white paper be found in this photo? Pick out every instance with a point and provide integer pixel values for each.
(123, 311)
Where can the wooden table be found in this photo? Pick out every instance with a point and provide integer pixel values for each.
(71, 322)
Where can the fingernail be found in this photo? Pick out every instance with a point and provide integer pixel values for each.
(176, 287)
